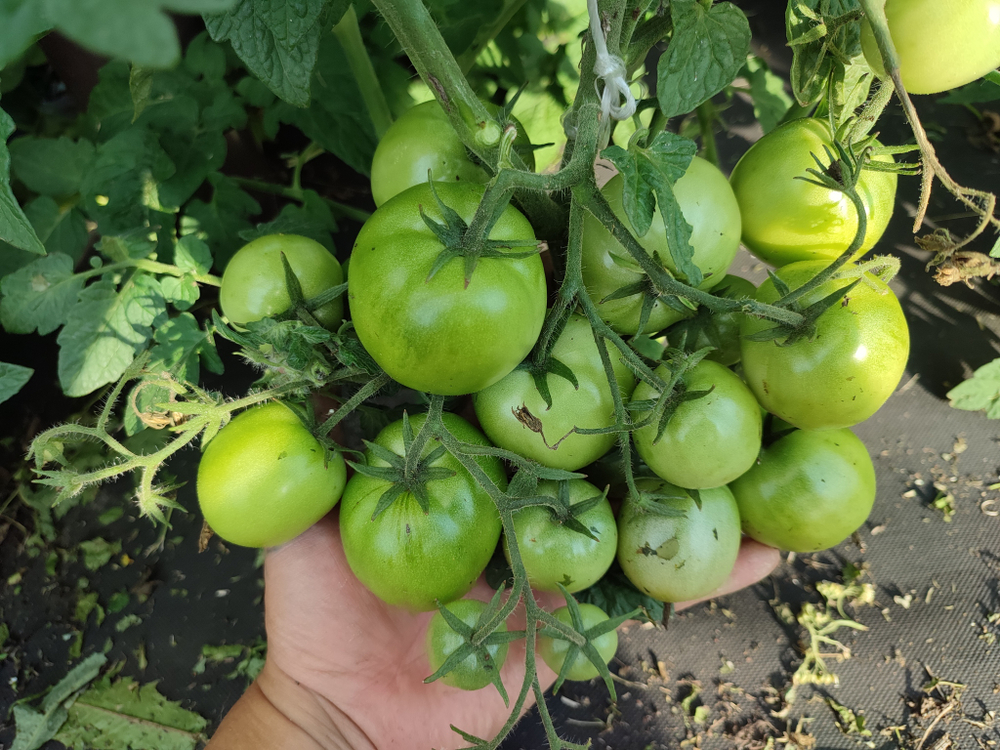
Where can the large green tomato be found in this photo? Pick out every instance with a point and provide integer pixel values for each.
(941, 44)
(554, 554)
(683, 558)
(264, 479)
(810, 491)
(708, 205)
(409, 558)
(555, 650)
(709, 441)
(253, 284)
(440, 335)
(846, 371)
(787, 219)
(589, 406)
(473, 672)
(423, 140)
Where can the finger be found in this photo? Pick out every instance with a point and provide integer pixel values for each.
(754, 562)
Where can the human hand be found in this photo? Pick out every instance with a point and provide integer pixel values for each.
(342, 664)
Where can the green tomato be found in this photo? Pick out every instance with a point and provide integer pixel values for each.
(709, 441)
(423, 140)
(409, 558)
(718, 330)
(554, 650)
(683, 558)
(786, 219)
(847, 370)
(589, 406)
(941, 45)
(438, 334)
(253, 285)
(708, 205)
(554, 554)
(473, 672)
(809, 492)
(264, 479)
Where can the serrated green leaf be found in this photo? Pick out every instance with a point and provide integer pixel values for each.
(277, 40)
(978, 92)
(140, 84)
(981, 392)
(812, 28)
(51, 166)
(12, 379)
(707, 50)
(98, 552)
(39, 296)
(192, 254)
(113, 715)
(35, 729)
(337, 118)
(637, 197)
(617, 596)
(106, 329)
(15, 229)
(312, 219)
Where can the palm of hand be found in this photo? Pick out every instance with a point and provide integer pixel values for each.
(332, 635)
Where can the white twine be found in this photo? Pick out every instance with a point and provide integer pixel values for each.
(610, 69)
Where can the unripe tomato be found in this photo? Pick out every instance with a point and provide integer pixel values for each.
(554, 650)
(253, 284)
(718, 330)
(809, 492)
(709, 441)
(409, 558)
(439, 334)
(940, 44)
(554, 554)
(847, 370)
(473, 672)
(682, 558)
(708, 205)
(786, 219)
(423, 140)
(263, 479)
(589, 406)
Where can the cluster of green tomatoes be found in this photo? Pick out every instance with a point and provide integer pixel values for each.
(755, 441)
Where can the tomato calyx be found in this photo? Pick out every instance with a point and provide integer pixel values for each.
(581, 638)
(568, 515)
(477, 639)
(674, 392)
(453, 233)
(408, 473)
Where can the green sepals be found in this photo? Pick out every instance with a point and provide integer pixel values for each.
(587, 649)
(292, 285)
(540, 376)
(649, 173)
(476, 645)
(325, 297)
(780, 286)
(786, 335)
(569, 515)
(452, 234)
(674, 393)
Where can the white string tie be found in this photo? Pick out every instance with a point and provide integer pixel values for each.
(610, 69)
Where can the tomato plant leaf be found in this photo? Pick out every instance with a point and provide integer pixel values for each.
(981, 392)
(770, 102)
(277, 41)
(21, 22)
(15, 228)
(312, 219)
(122, 713)
(106, 329)
(707, 49)
(821, 33)
(637, 197)
(39, 296)
(12, 379)
(337, 118)
(220, 221)
(616, 595)
(984, 90)
(51, 166)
